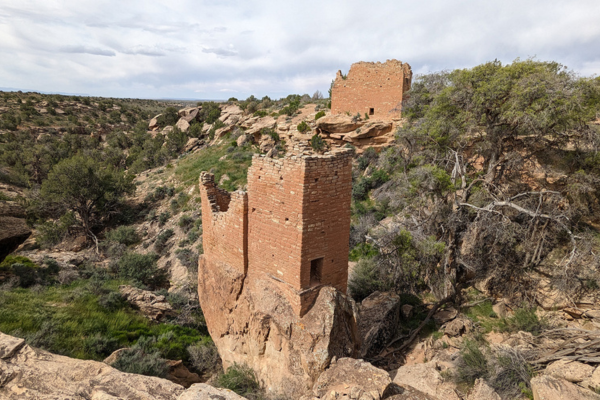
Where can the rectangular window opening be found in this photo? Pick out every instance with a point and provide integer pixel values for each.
(316, 271)
(371, 111)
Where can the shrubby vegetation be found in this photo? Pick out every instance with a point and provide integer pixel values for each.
(455, 183)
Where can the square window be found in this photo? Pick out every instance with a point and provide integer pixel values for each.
(316, 271)
(371, 111)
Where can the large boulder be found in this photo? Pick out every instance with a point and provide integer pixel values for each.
(231, 114)
(379, 316)
(338, 123)
(252, 323)
(482, 391)
(189, 113)
(183, 125)
(546, 387)
(572, 371)
(202, 391)
(425, 378)
(369, 130)
(154, 123)
(353, 379)
(262, 123)
(151, 305)
(13, 228)
(29, 373)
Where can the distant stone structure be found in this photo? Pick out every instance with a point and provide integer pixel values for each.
(375, 89)
(292, 226)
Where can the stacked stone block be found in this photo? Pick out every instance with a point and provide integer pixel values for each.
(224, 224)
(297, 215)
(375, 89)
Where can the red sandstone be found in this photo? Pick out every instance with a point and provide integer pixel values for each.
(292, 226)
(375, 89)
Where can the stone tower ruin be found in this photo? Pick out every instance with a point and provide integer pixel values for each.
(292, 226)
(375, 89)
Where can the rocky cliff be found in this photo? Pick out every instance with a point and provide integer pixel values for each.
(29, 373)
(252, 323)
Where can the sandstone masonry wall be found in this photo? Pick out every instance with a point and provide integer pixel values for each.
(292, 226)
(224, 224)
(372, 88)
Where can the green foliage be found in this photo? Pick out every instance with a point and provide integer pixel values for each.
(142, 359)
(317, 143)
(362, 250)
(163, 218)
(87, 187)
(141, 268)
(241, 379)
(361, 186)
(303, 127)
(291, 108)
(185, 222)
(524, 319)
(474, 364)
(204, 357)
(195, 130)
(210, 112)
(320, 114)
(168, 117)
(260, 113)
(235, 165)
(161, 240)
(7, 263)
(126, 235)
(366, 279)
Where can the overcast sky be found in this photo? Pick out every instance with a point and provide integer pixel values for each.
(217, 49)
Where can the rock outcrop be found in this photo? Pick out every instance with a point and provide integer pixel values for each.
(379, 317)
(13, 228)
(425, 378)
(546, 387)
(151, 305)
(28, 373)
(202, 391)
(353, 379)
(252, 322)
(340, 129)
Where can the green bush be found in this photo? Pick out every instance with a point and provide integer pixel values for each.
(524, 319)
(260, 113)
(163, 218)
(473, 363)
(141, 268)
(366, 279)
(124, 235)
(204, 358)
(317, 143)
(185, 222)
(142, 359)
(303, 127)
(10, 260)
(241, 379)
(161, 240)
(320, 114)
(274, 135)
(188, 258)
(51, 233)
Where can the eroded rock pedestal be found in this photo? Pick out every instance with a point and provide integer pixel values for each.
(252, 322)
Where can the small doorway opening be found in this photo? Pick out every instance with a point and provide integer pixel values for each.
(316, 271)
(371, 111)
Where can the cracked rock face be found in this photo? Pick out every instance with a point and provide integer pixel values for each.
(28, 373)
(252, 323)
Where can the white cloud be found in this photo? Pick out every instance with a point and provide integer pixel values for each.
(191, 48)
